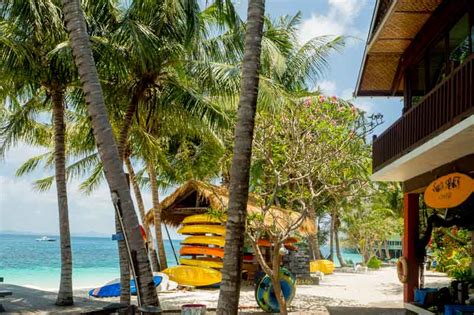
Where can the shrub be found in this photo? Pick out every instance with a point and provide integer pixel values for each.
(374, 263)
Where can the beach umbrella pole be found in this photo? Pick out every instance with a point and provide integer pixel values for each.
(171, 242)
(116, 202)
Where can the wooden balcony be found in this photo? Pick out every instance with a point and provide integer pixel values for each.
(444, 106)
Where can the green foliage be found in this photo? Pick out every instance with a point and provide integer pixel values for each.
(373, 216)
(374, 263)
(452, 252)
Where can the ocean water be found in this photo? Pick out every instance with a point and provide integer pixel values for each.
(24, 261)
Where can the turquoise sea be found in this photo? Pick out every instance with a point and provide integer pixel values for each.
(24, 261)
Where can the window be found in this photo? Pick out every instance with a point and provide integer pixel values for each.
(458, 48)
(437, 63)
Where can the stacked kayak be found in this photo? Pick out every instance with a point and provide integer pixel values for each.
(322, 265)
(202, 252)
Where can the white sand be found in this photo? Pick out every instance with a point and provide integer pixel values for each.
(379, 288)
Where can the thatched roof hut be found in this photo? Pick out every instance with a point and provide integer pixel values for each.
(196, 197)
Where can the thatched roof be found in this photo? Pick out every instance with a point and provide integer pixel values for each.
(394, 26)
(196, 197)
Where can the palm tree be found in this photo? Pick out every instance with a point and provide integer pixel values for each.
(24, 52)
(239, 173)
(112, 162)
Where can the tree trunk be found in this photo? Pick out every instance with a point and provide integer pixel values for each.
(338, 247)
(313, 238)
(276, 258)
(65, 296)
(242, 153)
(124, 265)
(317, 244)
(142, 212)
(157, 215)
(111, 160)
(387, 251)
(331, 238)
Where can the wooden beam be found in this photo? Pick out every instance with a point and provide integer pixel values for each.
(419, 183)
(410, 237)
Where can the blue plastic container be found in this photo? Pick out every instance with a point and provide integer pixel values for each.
(420, 294)
(457, 309)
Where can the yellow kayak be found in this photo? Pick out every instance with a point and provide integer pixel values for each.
(203, 218)
(202, 229)
(194, 276)
(204, 240)
(202, 262)
(325, 266)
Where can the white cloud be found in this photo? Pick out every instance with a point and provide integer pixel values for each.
(327, 87)
(338, 20)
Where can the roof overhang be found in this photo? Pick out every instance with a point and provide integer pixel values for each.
(452, 144)
(399, 21)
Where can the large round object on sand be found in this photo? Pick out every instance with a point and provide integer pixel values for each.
(200, 229)
(265, 294)
(193, 276)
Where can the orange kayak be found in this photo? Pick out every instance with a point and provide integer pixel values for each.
(201, 250)
(288, 242)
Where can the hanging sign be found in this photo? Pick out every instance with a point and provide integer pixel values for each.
(449, 191)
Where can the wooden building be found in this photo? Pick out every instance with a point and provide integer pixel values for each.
(423, 51)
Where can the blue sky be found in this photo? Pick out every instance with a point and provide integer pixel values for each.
(23, 209)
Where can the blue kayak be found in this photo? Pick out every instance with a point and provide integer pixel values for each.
(112, 288)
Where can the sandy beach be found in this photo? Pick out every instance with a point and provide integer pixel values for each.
(374, 289)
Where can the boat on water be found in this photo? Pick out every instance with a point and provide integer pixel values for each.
(45, 239)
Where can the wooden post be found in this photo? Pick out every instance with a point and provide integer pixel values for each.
(410, 237)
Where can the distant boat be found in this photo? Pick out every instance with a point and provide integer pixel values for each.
(45, 239)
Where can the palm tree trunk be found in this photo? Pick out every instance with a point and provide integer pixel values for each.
(65, 285)
(331, 238)
(157, 216)
(141, 211)
(338, 247)
(76, 26)
(242, 153)
(124, 265)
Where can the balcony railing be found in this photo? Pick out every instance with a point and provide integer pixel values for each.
(447, 104)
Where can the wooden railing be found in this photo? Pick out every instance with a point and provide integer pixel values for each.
(445, 105)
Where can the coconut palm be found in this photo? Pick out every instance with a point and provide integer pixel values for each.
(31, 57)
(112, 162)
(239, 173)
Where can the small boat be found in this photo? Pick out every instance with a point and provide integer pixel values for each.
(112, 288)
(193, 276)
(322, 265)
(204, 240)
(201, 250)
(202, 229)
(202, 262)
(45, 239)
(203, 218)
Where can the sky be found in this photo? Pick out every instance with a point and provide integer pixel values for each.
(24, 210)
